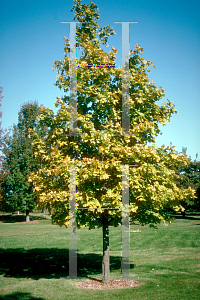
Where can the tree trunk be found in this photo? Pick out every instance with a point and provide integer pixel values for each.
(27, 216)
(106, 257)
(183, 214)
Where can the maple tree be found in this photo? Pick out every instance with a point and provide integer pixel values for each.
(100, 149)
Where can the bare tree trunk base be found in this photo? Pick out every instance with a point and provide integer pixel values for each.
(106, 256)
(27, 216)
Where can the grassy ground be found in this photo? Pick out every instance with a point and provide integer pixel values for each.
(34, 260)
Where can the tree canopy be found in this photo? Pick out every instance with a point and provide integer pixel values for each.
(99, 149)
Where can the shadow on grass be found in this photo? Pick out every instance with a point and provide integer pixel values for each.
(51, 263)
(21, 218)
(19, 296)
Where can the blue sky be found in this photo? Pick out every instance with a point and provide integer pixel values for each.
(31, 39)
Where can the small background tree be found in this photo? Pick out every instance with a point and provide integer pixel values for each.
(18, 162)
(190, 177)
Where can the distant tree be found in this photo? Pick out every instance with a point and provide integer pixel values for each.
(18, 162)
(190, 177)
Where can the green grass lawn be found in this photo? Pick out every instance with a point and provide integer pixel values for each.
(34, 260)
